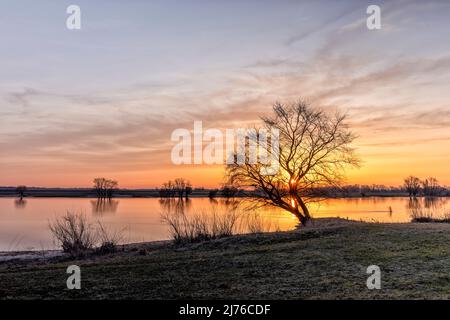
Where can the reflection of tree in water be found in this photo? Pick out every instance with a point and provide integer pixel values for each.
(428, 207)
(234, 216)
(213, 201)
(378, 200)
(435, 203)
(104, 205)
(20, 203)
(227, 203)
(175, 205)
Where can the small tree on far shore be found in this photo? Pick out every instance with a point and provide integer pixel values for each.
(180, 188)
(105, 188)
(431, 187)
(412, 185)
(21, 191)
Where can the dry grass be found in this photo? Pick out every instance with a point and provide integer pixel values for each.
(200, 226)
(107, 239)
(426, 216)
(213, 224)
(255, 222)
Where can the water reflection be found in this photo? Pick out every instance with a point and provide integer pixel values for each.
(226, 203)
(428, 207)
(219, 214)
(175, 205)
(142, 216)
(104, 206)
(182, 205)
(20, 203)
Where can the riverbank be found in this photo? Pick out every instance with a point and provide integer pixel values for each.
(327, 260)
(155, 193)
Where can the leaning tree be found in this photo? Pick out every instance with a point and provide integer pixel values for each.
(312, 152)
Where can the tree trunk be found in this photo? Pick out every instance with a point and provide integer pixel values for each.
(303, 218)
(304, 215)
(304, 209)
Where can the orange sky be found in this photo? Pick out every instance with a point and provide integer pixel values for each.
(104, 101)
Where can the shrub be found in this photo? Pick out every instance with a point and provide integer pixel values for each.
(74, 233)
(107, 239)
(77, 236)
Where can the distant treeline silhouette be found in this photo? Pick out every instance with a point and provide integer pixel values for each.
(428, 187)
(182, 188)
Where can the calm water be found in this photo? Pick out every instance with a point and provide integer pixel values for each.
(24, 225)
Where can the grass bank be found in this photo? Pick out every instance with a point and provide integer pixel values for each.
(324, 261)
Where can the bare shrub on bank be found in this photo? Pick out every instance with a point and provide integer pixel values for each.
(77, 236)
(108, 240)
(74, 233)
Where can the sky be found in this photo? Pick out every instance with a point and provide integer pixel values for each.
(104, 100)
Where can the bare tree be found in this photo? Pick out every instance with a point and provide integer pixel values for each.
(188, 190)
(105, 188)
(412, 185)
(99, 184)
(179, 187)
(167, 190)
(110, 187)
(430, 187)
(313, 154)
(21, 191)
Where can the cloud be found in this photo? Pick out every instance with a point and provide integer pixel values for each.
(323, 25)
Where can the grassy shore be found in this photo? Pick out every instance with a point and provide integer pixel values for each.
(325, 261)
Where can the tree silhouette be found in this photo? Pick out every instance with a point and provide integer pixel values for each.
(105, 188)
(313, 154)
(412, 185)
(21, 191)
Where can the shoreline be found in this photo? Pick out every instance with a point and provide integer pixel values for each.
(292, 265)
(316, 224)
(48, 254)
(36, 192)
(118, 197)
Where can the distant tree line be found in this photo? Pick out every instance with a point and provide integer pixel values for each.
(428, 187)
(412, 187)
